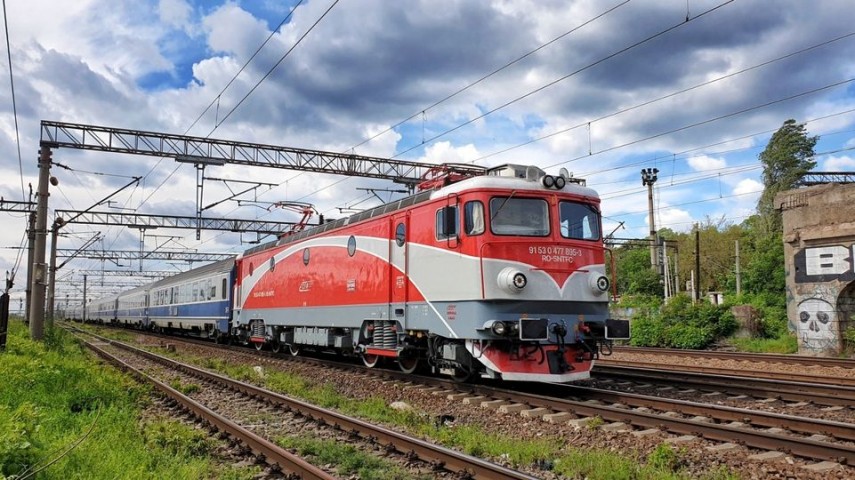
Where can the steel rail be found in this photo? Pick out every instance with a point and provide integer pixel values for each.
(742, 356)
(260, 446)
(839, 430)
(785, 376)
(451, 460)
(819, 393)
(802, 447)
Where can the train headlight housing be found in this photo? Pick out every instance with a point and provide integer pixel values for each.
(501, 328)
(512, 280)
(599, 284)
(548, 181)
(560, 182)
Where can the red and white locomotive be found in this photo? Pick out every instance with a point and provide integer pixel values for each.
(499, 275)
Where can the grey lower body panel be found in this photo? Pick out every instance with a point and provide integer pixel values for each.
(447, 319)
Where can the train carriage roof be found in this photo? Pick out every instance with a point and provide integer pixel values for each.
(222, 266)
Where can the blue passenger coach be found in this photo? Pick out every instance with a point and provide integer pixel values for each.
(198, 302)
(102, 310)
(131, 307)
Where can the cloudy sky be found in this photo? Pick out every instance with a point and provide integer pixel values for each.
(603, 88)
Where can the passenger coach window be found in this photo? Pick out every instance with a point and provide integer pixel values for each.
(473, 218)
(446, 222)
(527, 217)
(579, 221)
(224, 289)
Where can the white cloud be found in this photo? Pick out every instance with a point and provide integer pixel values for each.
(444, 152)
(676, 219)
(174, 13)
(748, 186)
(702, 163)
(838, 164)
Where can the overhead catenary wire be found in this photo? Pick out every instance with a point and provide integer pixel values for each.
(710, 120)
(251, 90)
(565, 77)
(19, 257)
(747, 69)
(554, 82)
(423, 110)
(664, 97)
(246, 96)
(721, 142)
(491, 74)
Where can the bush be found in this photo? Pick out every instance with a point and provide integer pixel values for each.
(647, 332)
(682, 324)
(688, 336)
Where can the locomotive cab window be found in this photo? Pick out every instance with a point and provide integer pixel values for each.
(527, 217)
(473, 218)
(446, 222)
(579, 221)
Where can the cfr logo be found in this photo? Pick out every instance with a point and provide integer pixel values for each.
(825, 264)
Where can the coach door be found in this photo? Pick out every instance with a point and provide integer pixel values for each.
(399, 268)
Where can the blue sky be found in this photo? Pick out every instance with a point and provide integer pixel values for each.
(601, 88)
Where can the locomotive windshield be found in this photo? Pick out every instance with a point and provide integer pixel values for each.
(579, 221)
(528, 217)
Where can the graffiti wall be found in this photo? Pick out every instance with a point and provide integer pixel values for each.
(821, 275)
(819, 248)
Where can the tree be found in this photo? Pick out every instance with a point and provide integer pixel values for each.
(787, 157)
(634, 275)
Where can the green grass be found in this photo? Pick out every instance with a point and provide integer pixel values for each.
(348, 459)
(783, 344)
(663, 463)
(53, 395)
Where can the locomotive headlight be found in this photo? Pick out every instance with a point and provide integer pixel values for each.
(499, 328)
(599, 284)
(512, 280)
(548, 181)
(560, 182)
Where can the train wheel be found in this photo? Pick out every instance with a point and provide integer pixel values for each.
(408, 363)
(462, 376)
(259, 345)
(294, 349)
(276, 346)
(371, 360)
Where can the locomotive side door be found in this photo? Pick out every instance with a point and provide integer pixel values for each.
(399, 268)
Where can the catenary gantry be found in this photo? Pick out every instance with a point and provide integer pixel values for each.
(137, 220)
(200, 151)
(187, 148)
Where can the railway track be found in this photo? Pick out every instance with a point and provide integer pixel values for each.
(441, 458)
(742, 356)
(730, 382)
(809, 438)
(261, 447)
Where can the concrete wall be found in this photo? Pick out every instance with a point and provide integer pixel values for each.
(819, 251)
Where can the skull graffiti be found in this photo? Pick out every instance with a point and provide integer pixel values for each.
(816, 324)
